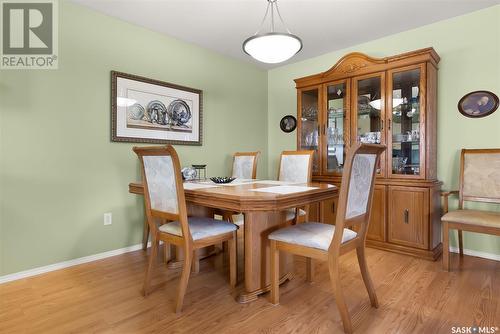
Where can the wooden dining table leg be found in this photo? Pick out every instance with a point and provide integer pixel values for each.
(257, 227)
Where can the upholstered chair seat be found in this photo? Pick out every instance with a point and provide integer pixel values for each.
(473, 217)
(290, 213)
(200, 227)
(310, 234)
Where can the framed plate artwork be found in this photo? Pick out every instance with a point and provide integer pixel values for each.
(288, 123)
(478, 104)
(150, 111)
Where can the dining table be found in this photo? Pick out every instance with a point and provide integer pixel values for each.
(263, 204)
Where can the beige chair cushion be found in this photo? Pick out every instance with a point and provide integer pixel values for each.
(481, 175)
(294, 168)
(473, 217)
(160, 175)
(313, 235)
(243, 166)
(200, 227)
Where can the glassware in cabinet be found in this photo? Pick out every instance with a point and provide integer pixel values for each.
(309, 123)
(336, 126)
(405, 121)
(369, 111)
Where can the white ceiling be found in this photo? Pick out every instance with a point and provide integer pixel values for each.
(323, 25)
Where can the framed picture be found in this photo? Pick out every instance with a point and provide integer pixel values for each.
(288, 123)
(477, 104)
(150, 111)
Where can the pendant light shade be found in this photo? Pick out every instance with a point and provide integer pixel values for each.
(272, 47)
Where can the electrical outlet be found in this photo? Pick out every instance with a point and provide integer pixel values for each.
(108, 218)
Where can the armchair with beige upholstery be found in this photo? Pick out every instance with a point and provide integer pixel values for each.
(479, 182)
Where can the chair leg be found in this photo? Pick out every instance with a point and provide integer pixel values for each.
(233, 260)
(460, 243)
(186, 271)
(360, 252)
(309, 269)
(333, 267)
(275, 273)
(145, 235)
(152, 257)
(166, 252)
(446, 247)
(195, 266)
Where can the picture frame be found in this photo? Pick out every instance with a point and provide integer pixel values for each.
(477, 104)
(288, 123)
(145, 110)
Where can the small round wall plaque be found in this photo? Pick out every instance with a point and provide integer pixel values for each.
(480, 103)
(288, 123)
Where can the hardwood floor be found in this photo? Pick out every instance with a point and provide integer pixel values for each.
(415, 296)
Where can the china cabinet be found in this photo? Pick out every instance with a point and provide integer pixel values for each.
(391, 101)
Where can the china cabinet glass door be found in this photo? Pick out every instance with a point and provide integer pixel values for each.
(405, 122)
(369, 111)
(309, 123)
(336, 127)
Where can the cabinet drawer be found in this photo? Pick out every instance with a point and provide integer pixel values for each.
(376, 229)
(328, 211)
(408, 216)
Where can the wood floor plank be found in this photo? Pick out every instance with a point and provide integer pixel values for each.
(415, 296)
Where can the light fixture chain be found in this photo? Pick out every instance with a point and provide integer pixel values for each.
(272, 15)
(263, 20)
(281, 19)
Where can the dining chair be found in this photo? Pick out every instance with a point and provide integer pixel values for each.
(296, 167)
(165, 201)
(328, 242)
(479, 182)
(245, 165)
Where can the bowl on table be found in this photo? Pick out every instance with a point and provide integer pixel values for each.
(222, 179)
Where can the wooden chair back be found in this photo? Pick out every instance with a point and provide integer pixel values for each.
(245, 165)
(479, 176)
(356, 192)
(163, 187)
(296, 166)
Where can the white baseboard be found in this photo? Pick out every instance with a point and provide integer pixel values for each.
(69, 263)
(470, 252)
(100, 256)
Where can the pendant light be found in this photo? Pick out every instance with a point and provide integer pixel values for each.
(272, 47)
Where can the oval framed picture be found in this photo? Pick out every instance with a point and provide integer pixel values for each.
(288, 123)
(480, 103)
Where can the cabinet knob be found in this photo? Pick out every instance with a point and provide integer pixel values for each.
(333, 207)
(407, 216)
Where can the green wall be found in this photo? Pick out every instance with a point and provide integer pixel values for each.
(59, 172)
(469, 47)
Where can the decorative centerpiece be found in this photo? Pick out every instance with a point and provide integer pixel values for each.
(222, 179)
